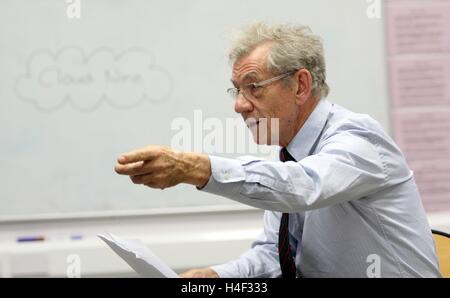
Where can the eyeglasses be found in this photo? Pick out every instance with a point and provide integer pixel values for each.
(254, 90)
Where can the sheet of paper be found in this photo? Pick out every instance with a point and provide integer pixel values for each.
(420, 81)
(425, 139)
(418, 43)
(139, 257)
(416, 26)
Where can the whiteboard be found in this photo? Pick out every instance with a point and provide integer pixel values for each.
(62, 127)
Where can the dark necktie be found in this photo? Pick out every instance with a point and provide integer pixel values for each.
(287, 262)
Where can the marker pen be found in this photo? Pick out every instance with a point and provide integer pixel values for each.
(30, 238)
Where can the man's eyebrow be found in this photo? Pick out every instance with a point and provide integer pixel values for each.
(247, 77)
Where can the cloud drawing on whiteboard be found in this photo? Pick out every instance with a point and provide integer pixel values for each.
(85, 82)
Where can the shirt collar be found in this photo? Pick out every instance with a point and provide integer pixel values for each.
(301, 145)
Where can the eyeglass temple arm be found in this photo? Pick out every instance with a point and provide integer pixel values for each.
(260, 84)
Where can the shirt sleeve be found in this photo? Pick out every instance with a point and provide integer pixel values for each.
(261, 261)
(346, 167)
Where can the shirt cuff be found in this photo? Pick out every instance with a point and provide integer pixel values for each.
(227, 176)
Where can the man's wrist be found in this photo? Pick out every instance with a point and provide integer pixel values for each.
(196, 168)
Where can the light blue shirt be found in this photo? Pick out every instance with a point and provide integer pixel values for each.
(355, 210)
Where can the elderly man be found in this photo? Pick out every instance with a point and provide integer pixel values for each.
(341, 202)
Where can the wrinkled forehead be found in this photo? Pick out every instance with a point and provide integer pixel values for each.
(247, 75)
(252, 66)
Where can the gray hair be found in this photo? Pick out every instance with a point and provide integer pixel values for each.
(294, 47)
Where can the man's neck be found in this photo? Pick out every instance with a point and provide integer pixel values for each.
(303, 116)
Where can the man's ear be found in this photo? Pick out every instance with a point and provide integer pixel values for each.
(303, 85)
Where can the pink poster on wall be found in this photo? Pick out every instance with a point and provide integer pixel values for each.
(418, 45)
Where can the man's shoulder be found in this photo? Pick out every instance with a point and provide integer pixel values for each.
(342, 120)
(363, 134)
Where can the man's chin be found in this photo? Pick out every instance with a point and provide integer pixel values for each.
(260, 140)
(261, 132)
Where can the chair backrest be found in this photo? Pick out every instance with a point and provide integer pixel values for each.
(442, 241)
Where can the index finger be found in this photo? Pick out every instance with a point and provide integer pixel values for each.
(143, 154)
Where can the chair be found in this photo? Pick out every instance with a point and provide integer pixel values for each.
(442, 241)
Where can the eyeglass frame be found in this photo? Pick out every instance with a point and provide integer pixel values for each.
(237, 90)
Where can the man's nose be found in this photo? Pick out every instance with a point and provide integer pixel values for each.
(241, 104)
